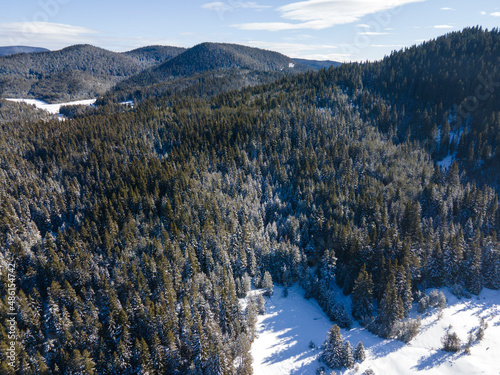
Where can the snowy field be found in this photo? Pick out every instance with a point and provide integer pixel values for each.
(291, 323)
(52, 108)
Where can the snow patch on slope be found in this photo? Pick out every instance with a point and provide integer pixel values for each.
(290, 323)
(446, 162)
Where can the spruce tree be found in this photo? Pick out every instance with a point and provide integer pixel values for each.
(359, 352)
(332, 352)
(362, 295)
(347, 356)
(390, 309)
(267, 284)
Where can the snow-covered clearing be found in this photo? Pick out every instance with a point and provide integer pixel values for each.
(446, 162)
(52, 108)
(291, 323)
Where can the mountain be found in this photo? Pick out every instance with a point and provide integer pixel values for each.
(153, 55)
(12, 50)
(76, 72)
(317, 64)
(443, 94)
(136, 235)
(219, 56)
(208, 68)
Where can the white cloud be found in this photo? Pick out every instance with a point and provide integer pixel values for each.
(442, 27)
(45, 34)
(302, 50)
(495, 14)
(446, 8)
(388, 45)
(233, 5)
(322, 14)
(482, 13)
(371, 33)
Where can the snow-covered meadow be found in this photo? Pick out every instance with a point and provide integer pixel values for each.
(291, 323)
(52, 108)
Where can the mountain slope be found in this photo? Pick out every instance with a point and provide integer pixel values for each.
(12, 50)
(136, 234)
(444, 94)
(207, 69)
(76, 72)
(218, 56)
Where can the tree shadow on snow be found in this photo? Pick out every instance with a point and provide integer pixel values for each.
(435, 360)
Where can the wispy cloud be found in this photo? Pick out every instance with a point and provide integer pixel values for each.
(220, 6)
(322, 14)
(387, 45)
(372, 33)
(447, 9)
(442, 27)
(303, 50)
(44, 33)
(495, 14)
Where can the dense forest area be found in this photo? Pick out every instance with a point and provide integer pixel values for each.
(135, 234)
(444, 94)
(18, 111)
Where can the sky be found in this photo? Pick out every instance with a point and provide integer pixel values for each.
(340, 30)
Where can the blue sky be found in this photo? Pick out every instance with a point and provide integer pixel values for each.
(342, 30)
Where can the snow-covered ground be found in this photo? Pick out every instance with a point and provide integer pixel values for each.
(52, 108)
(446, 162)
(291, 323)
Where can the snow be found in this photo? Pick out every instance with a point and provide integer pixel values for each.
(291, 65)
(446, 162)
(128, 103)
(284, 333)
(52, 108)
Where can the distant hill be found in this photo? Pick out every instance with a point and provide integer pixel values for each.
(76, 72)
(217, 56)
(12, 50)
(318, 64)
(152, 55)
(236, 64)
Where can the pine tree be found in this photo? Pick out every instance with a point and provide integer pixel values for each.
(390, 309)
(362, 295)
(473, 277)
(267, 284)
(332, 352)
(359, 352)
(347, 356)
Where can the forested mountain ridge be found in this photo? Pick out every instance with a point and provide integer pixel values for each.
(219, 56)
(134, 234)
(217, 65)
(317, 64)
(444, 94)
(12, 50)
(76, 72)
(153, 55)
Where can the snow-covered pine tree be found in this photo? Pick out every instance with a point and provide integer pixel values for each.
(359, 352)
(332, 352)
(362, 295)
(267, 284)
(347, 356)
(390, 309)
